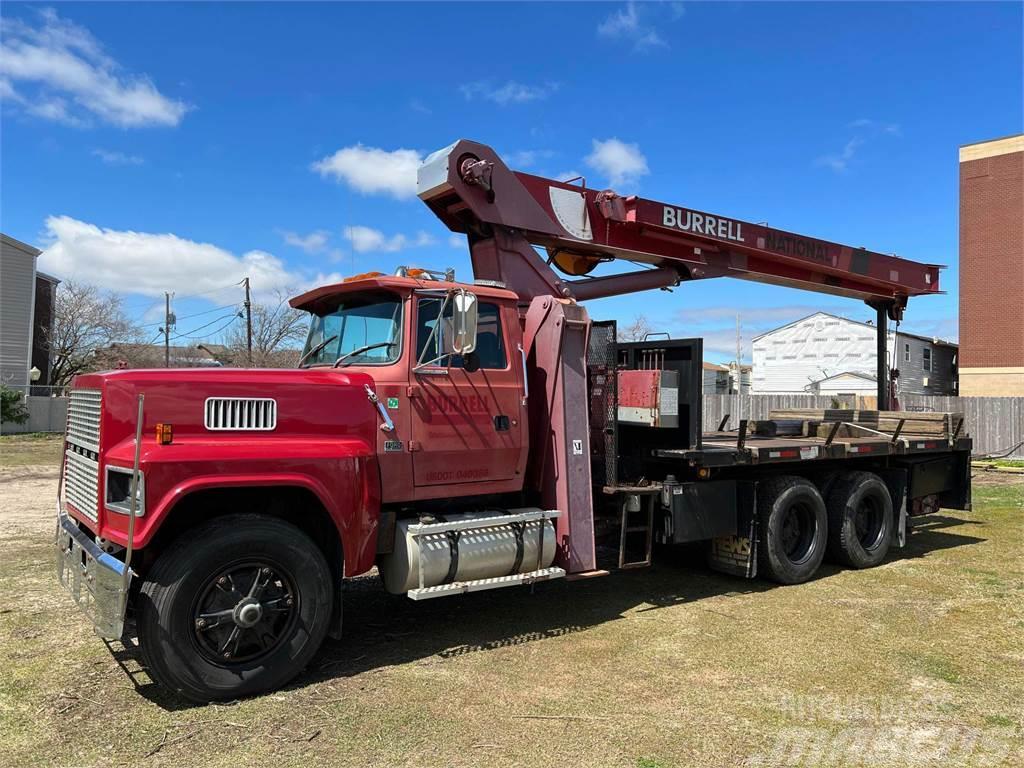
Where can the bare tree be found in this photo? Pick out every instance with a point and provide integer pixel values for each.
(87, 322)
(277, 335)
(636, 330)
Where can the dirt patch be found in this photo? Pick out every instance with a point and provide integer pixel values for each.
(24, 491)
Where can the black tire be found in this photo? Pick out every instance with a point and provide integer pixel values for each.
(197, 598)
(860, 520)
(794, 529)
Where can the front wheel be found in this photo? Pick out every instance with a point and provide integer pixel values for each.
(236, 607)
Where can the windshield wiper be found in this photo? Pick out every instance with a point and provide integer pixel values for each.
(316, 349)
(360, 350)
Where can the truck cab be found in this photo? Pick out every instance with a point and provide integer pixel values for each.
(230, 504)
(457, 410)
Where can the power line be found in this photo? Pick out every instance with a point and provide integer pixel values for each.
(195, 314)
(191, 334)
(207, 293)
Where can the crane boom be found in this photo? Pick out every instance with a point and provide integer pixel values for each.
(505, 213)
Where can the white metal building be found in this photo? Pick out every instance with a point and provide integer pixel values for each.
(806, 356)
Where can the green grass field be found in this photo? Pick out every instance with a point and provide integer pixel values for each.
(919, 662)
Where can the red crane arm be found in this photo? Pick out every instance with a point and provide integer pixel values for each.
(473, 191)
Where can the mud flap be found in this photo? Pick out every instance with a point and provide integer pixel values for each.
(737, 555)
(896, 481)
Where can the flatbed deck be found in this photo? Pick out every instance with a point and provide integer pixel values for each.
(723, 449)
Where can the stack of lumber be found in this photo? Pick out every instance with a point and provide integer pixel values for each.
(819, 422)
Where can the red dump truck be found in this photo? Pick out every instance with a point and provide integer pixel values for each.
(465, 436)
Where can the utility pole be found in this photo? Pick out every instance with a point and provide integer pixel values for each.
(739, 359)
(248, 323)
(167, 330)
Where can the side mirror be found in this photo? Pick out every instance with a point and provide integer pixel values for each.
(464, 321)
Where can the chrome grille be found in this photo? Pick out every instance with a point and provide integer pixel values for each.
(84, 407)
(241, 413)
(81, 466)
(81, 482)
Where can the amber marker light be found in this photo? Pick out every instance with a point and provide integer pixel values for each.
(164, 434)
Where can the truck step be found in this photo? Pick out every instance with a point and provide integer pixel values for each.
(644, 526)
(479, 585)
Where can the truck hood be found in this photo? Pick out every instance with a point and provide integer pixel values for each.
(314, 402)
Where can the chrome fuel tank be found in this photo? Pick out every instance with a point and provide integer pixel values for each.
(478, 552)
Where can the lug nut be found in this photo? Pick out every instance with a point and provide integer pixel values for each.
(222, 581)
(200, 623)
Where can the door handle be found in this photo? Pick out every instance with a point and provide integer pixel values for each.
(501, 423)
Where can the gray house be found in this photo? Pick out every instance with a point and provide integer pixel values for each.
(825, 354)
(26, 314)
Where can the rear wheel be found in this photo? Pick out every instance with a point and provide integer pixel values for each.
(794, 529)
(234, 608)
(860, 520)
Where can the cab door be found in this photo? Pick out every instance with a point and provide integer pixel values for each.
(467, 420)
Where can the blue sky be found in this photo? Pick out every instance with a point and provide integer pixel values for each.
(153, 147)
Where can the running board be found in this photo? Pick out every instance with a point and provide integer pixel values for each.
(479, 585)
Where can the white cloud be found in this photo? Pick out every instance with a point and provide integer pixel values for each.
(877, 126)
(621, 163)
(524, 158)
(418, 106)
(509, 93)
(369, 240)
(721, 342)
(314, 242)
(60, 60)
(840, 161)
(753, 317)
(457, 241)
(627, 24)
(150, 263)
(373, 171)
(117, 158)
(864, 129)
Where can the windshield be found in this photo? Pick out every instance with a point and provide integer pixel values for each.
(366, 330)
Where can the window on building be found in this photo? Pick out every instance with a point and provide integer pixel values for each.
(906, 353)
(927, 361)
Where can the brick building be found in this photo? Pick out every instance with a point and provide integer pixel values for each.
(992, 267)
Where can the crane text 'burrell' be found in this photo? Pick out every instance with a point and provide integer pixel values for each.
(702, 224)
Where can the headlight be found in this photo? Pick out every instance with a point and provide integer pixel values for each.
(118, 491)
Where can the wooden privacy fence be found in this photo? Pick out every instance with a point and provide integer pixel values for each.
(995, 423)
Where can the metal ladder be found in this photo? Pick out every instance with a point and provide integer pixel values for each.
(476, 585)
(645, 526)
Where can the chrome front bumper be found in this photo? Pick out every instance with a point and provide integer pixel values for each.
(96, 581)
